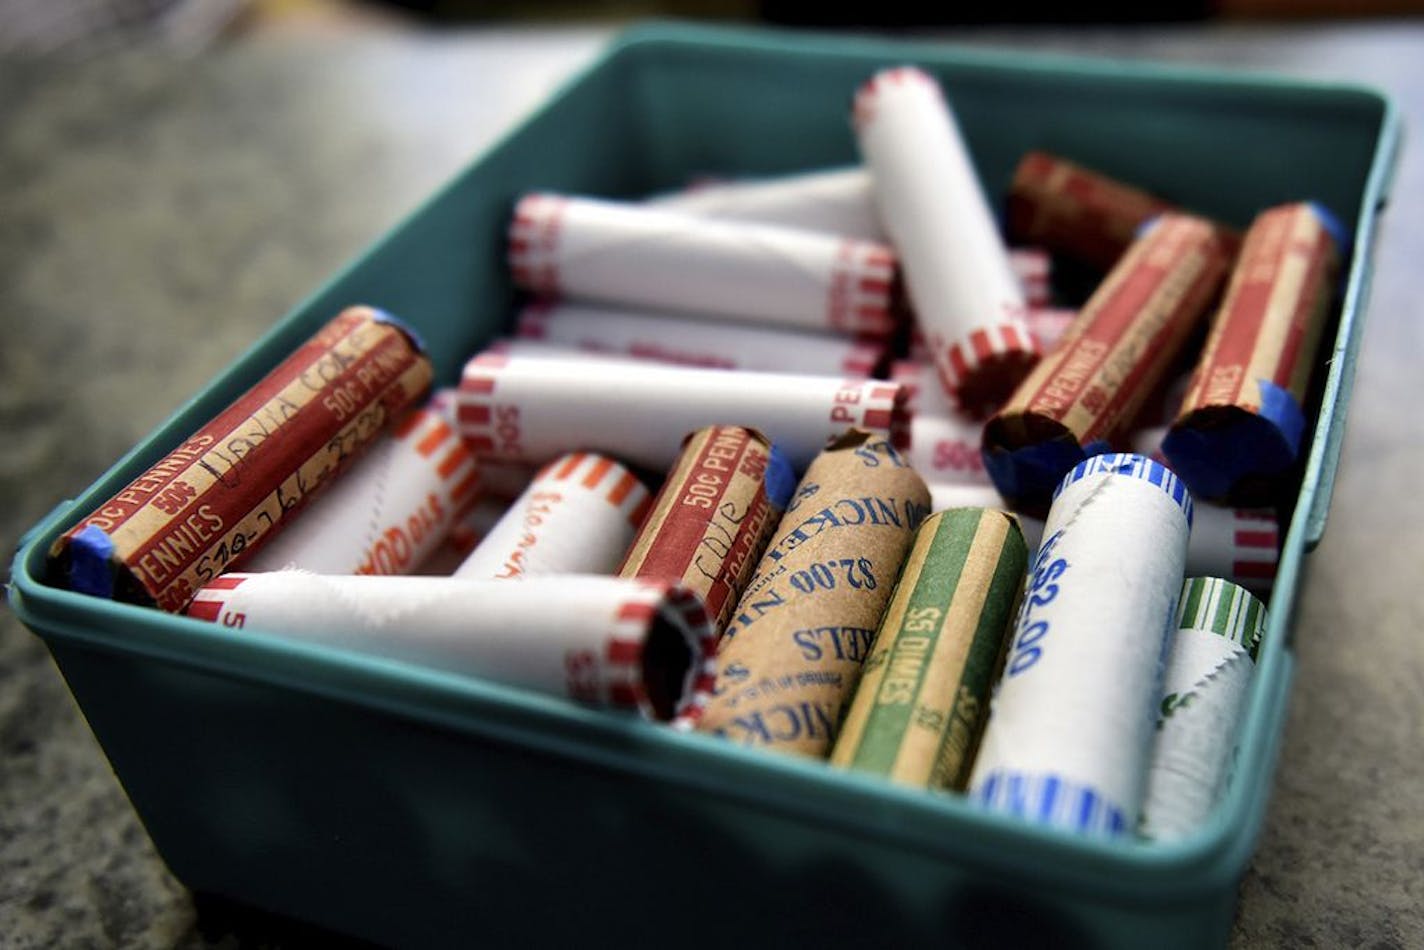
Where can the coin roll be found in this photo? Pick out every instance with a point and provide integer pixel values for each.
(1238, 432)
(1072, 720)
(792, 653)
(924, 692)
(1204, 692)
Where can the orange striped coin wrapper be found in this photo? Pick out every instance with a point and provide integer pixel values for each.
(924, 692)
(1240, 544)
(1205, 687)
(210, 503)
(1240, 425)
(966, 299)
(689, 341)
(531, 409)
(793, 651)
(1076, 212)
(577, 517)
(637, 645)
(1090, 386)
(658, 259)
(388, 512)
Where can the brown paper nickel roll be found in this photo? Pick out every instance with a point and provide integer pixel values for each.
(792, 653)
(924, 694)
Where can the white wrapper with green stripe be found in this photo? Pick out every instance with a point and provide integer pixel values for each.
(1204, 690)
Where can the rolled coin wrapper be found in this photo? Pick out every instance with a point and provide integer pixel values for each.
(924, 692)
(470, 527)
(1076, 212)
(944, 447)
(636, 645)
(710, 523)
(1240, 425)
(1071, 725)
(658, 259)
(1204, 691)
(531, 409)
(714, 516)
(793, 651)
(966, 299)
(836, 201)
(214, 499)
(1089, 387)
(388, 512)
(1238, 543)
(577, 517)
(692, 342)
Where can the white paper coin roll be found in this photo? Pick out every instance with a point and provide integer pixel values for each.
(388, 512)
(1204, 690)
(693, 342)
(667, 260)
(636, 644)
(577, 517)
(966, 298)
(469, 529)
(837, 201)
(1072, 721)
(532, 409)
(1241, 544)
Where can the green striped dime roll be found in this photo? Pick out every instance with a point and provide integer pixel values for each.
(1205, 686)
(1214, 605)
(920, 706)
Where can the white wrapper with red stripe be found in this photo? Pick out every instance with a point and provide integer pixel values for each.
(389, 511)
(629, 643)
(577, 517)
(836, 201)
(533, 409)
(944, 442)
(966, 298)
(689, 341)
(659, 259)
(1241, 544)
(1072, 720)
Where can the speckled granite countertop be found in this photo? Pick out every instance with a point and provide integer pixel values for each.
(157, 213)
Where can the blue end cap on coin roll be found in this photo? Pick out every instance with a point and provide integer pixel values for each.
(1051, 800)
(1028, 475)
(1131, 465)
(1336, 228)
(391, 319)
(1238, 444)
(780, 478)
(90, 569)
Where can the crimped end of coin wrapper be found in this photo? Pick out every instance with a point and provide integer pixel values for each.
(534, 242)
(983, 369)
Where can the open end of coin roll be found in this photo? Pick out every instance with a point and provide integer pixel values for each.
(667, 665)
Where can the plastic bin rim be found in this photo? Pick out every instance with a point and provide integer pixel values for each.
(1219, 849)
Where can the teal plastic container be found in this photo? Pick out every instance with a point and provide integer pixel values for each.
(410, 806)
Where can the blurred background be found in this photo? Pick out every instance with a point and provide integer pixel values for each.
(176, 174)
(45, 26)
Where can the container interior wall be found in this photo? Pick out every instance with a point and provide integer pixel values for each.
(407, 833)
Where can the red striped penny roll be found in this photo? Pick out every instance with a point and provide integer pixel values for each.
(532, 409)
(966, 298)
(658, 259)
(637, 645)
